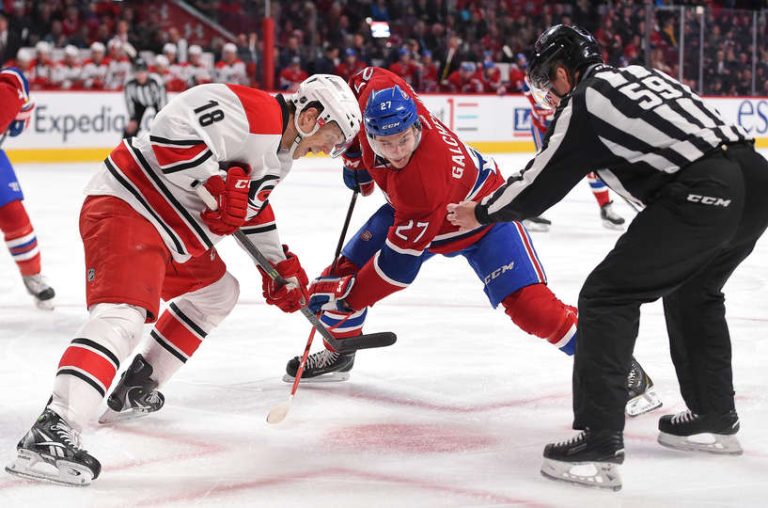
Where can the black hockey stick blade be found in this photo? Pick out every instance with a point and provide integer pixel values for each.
(367, 341)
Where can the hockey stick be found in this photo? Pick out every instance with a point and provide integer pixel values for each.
(278, 413)
(371, 340)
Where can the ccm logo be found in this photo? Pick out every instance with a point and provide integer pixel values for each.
(500, 270)
(708, 200)
(242, 184)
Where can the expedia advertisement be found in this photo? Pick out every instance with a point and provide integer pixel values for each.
(85, 126)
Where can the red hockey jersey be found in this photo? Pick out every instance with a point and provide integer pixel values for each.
(442, 170)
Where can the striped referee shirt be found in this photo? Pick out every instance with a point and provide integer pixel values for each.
(139, 97)
(641, 126)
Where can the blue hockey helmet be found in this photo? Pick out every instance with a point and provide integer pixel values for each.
(389, 111)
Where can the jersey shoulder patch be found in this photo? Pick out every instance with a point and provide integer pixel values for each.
(264, 114)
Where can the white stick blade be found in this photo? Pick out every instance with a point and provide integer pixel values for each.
(278, 413)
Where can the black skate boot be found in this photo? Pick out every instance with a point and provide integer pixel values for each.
(590, 459)
(322, 366)
(38, 287)
(51, 451)
(642, 397)
(135, 395)
(610, 218)
(711, 433)
(539, 224)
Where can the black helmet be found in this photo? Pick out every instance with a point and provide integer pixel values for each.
(571, 46)
(139, 65)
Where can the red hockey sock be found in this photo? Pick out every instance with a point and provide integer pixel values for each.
(602, 197)
(536, 310)
(20, 237)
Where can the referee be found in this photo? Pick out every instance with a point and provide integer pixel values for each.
(144, 91)
(702, 188)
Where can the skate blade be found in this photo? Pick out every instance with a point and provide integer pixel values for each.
(643, 403)
(331, 377)
(46, 305)
(32, 466)
(706, 442)
(536, 227)
(610, 225)
(109, 416)
(594, 475)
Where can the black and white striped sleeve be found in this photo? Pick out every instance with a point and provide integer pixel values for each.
(548, 177)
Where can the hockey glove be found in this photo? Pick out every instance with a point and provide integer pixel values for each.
(355, 176)
(328, 293)
(22, 119)
(289, 297)
(232, 197)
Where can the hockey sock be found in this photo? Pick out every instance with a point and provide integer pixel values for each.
(536, 310)
(183, 326)
(89, 364)
(599, 189)
(20, 237)
(344, 325)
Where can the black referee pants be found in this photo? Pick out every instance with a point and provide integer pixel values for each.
(682, 247)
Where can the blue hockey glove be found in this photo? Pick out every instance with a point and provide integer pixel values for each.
(22, 120)
(328, 293)
(355, 176)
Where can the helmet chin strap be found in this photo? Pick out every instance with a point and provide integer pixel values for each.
(300, 134)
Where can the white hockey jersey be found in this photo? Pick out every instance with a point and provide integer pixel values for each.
(156, 173)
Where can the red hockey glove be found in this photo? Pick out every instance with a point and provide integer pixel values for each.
(232, 197)
(289, 297)
(355, 175)
(328, 293)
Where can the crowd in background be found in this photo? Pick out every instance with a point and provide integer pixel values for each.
(456, 46)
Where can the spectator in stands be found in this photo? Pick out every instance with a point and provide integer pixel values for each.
(428, 79)
(175, 73)
(67, 74)
(42, 67)
(10, 40)
(231, 69)
(179, 42)
(119, 65)
(291, 76)
(326, 64)
(96, 68)
(198, 72)
(465, 80)
(405, 67)
(289, 52)
(350, 66)
(492, 78)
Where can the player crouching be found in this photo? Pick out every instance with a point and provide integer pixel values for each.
(421, 166)
(148, 235)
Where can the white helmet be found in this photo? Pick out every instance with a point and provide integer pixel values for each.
(338, 105)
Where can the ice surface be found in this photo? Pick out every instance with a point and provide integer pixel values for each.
(455, 414)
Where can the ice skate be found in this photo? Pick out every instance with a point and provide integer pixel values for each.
(135, 395)
(590, 459)
(51, 452)
(538, 224)
(38, 287)
(610, 218)
(642, 396)
(323, 366)
(701, 433)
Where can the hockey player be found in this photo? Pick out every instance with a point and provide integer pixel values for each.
(148, 235)
(17, 229)
(96, 69)
(703, 187)
(541, 117)
(421, 165)
(230, 69)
